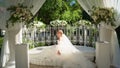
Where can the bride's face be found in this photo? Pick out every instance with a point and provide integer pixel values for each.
(59, 34)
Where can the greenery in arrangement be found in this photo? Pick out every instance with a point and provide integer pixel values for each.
(19, 13)
(58, 23)
(68, 10)
(103, 14)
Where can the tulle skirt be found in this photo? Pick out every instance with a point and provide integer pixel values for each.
(49, 56)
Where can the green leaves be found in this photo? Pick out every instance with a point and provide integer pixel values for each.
(66, 16)
(60, 9)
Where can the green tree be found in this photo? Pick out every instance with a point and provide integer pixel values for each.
(68, 10)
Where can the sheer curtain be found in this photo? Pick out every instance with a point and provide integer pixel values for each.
(4, 15)
(5, 53)
(88, 4)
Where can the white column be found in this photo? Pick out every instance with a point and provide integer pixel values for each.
(21, 56)
(14, 37)
(103, 54)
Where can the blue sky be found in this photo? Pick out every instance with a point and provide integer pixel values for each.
(72, 2)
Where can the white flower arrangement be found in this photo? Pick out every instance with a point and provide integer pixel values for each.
(19, 13)
(58, 23)
(103, 14)
(84, 22)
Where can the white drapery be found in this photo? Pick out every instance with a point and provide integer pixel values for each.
(88, 4)
(9, 43)
(4, 15)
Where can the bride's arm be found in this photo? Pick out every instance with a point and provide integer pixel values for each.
(58, 51)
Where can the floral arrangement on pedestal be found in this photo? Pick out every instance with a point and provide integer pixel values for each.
(58, 23)
(19, 13)
(103, 14)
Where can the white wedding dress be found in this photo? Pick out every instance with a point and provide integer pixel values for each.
(70, 57)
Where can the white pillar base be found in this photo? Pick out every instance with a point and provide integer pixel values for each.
(103, 54)
(21, 56)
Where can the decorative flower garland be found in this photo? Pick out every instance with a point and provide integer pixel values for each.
(58, 23)
(19, 13)
(103, 14)
(83, 22)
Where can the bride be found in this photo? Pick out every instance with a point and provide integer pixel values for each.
(63, 54)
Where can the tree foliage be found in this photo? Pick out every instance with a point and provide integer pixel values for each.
(68, 10)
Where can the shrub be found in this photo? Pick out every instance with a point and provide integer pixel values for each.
(1, 42)
(38, 44)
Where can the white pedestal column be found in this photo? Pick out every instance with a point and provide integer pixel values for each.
(103, 54)
(21, 56)
(14, 37)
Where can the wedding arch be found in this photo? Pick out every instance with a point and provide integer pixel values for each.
(13, 35)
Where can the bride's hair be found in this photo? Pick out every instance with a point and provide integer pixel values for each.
(60, 31)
